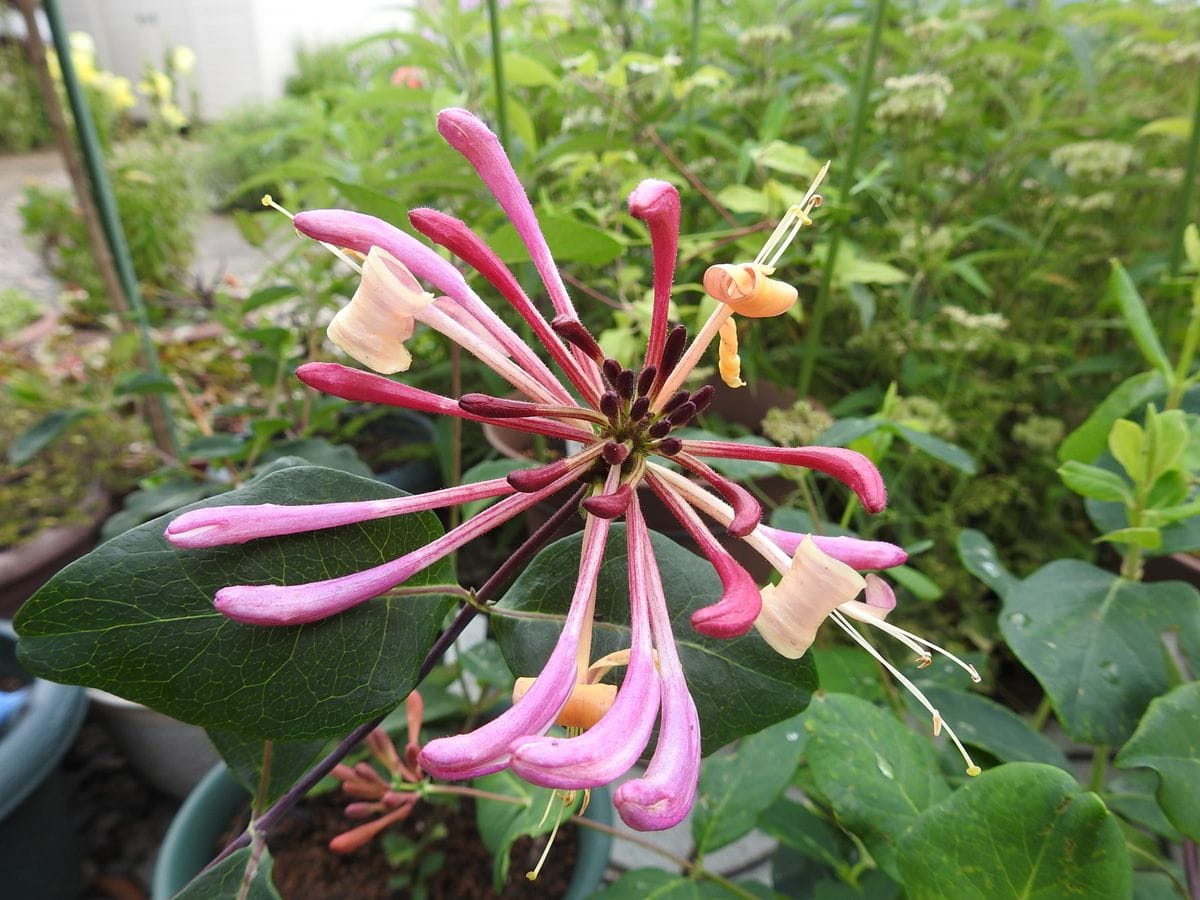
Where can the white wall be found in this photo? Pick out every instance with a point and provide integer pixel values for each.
(245, 49)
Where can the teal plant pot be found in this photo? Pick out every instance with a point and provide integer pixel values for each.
(197, 827)
(39, 859)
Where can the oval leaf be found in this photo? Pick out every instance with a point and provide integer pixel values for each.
(135, 618)
(1167, 740)
(1021, 830)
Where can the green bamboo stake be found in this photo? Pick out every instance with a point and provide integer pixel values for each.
(1184, 200)
(493, 8)
(866, 72)
(106, 205)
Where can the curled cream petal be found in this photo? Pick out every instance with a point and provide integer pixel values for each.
(749, 289)
(793, 610)
(374, 325)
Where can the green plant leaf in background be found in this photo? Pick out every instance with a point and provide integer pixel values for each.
(570, 240)
(1167, 740)
(1093, 641)
(876, 774)
(740, 686)
(136, 598)
(1088, 441)
(979, 557)
(1022, 830)
(641, 884)
(500, 823)
(736, 787)
(1123, 292)
(42, 434)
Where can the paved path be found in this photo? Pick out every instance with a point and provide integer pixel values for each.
(220, 249)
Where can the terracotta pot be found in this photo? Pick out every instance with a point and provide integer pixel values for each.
(25, 567)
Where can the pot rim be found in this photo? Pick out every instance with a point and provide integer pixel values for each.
(40, 736)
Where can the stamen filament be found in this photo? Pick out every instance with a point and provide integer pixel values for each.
(837, 617)
(793, 220)
(692, 356)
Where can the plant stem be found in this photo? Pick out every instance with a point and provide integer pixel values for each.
(866, 73)
(260, 801)
(1187, 352)
(1042, 713)
(1099, 768)
(1184, 200)
(1191, 867)
(693, 63)
(493, 8)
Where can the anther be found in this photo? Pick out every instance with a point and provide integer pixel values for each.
(677, 400)
(573, 332)
(646, 380)
(526, 481)
(612, 371)
(609, 506)
(610, 404)
(625, 383)
(659, 429)
(682, 414)
(703, 397)
(670, 446)
(638, 410)
(672, 351)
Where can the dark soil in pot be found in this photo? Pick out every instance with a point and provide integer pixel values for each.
(305, 868)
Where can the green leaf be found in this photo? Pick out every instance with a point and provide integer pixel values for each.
(843, 431)
(739, 198)
(486, 664)
(143, 383)
(847, 670)
(42, 434)
(1092, 640)
(1169, 434)
(1132, 795)
(525, 71)
(876, 774)
(1127, 444)
(1089, 440)
(951, 454)
(1170, 126)
(318, 452)
(267, 296)
(1141, 536)
(372, 202)
(485, 471)
(791, 823)
(244, 756)
(791, 159)
(226, 879)
(215, 446)
(921, 585)
(736, 787)
(656, 884)
(1022, 830)
(721, 674)
(993, 728)
(1094, 482)
(570, 240)
(501, 823)
(1167, 740)
(1122, 291)
(135, 618)
(1191, 245)
(979, 557)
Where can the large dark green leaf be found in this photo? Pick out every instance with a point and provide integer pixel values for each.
(135, 617)
(740, 686)
(1168, 741)
(736, 787)
(534, 811)
(876, 773)
(1093, 641)
(285, 762)
(1023, 830)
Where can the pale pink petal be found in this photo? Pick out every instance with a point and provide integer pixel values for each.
(486, 749)
(854, 552)
(809, 591)
(880, 594)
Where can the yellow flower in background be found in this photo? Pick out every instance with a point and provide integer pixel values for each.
(172, 116)
(156, 85)
(183, 60)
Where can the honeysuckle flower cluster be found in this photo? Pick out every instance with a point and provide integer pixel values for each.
(623, 424)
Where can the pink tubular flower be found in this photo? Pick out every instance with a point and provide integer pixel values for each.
(618, 420)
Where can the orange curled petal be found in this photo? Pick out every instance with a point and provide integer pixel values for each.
(747, 288)
(729, 364)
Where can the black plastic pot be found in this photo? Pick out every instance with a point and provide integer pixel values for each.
(38, 856)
